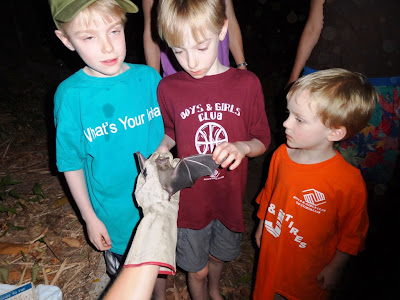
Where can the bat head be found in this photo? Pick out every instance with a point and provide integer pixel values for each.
(163, 163)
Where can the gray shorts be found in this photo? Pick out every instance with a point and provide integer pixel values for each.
(194, 246)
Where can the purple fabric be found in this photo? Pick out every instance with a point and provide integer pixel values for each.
(171, 66)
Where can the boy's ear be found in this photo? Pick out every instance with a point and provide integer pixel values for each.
(224, 30)
(64, 39)
(337, 134)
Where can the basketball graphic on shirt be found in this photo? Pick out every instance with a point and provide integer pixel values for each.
(208, 136)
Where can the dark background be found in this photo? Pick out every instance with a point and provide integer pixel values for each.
(34, 62)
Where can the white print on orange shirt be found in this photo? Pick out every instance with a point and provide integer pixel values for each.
(286, 220)
(312, 199)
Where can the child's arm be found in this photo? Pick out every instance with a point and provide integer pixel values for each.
(258, 233)
(329, 277)
(97, 232)
(166, 144)
(237, 151)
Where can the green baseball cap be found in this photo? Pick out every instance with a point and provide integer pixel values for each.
(65, 10)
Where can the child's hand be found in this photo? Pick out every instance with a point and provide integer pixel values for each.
(98, 234)
(233, 152)
(258, 233)
(328, 278)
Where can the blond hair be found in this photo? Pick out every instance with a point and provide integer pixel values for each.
(98, 12)
(176, 16)
(341, 98)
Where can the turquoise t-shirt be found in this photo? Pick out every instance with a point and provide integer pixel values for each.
(100, 124)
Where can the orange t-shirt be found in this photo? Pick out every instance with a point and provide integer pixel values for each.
(309, 212)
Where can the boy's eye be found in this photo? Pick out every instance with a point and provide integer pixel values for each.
(203, 49)
(177, 51)
(115, 32)
(88, 38)
(299, 120)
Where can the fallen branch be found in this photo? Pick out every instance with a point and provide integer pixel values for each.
(43, 234)
(55, 279)
(28, 167)
(4, 143)
(5, 152)
(22, 275)
(46, 281)
(46, 213)
(67, 284)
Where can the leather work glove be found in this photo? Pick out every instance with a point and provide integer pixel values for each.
(155, 239)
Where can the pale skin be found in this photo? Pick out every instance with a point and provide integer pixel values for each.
(199, 59)
(134, 283)
(102, 48)
(152, 49)
(309, 38)
(309, 141)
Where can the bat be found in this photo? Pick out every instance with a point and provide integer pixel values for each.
(185, 173)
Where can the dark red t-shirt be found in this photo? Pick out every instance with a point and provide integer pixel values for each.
(201, 113)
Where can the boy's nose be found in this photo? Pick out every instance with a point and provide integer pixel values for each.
(286, 123)
(107, 45)
(192, 61)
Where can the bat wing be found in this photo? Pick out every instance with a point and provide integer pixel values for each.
(191, 168)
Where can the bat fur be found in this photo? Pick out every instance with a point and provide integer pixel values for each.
(185, 173)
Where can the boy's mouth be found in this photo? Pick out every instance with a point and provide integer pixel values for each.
(110, 62)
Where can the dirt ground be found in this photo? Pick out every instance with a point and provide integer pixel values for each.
(42, 237)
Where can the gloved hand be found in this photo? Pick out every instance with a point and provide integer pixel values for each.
(155, 239)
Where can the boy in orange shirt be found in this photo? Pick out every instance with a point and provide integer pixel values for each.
(313, 211)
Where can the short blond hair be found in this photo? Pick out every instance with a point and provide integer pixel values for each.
(176, 16)
(97, 12)
(341, 98)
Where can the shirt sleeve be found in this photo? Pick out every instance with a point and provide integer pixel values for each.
(259, 127)
(69, 145)
(264, 197)
(353, 219)
(166, 112)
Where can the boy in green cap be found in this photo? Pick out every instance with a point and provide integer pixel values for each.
(103, 114)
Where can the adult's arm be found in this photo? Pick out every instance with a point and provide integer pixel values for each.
(152, 50)
(309, 38)
(235, 35)
(134, 283)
